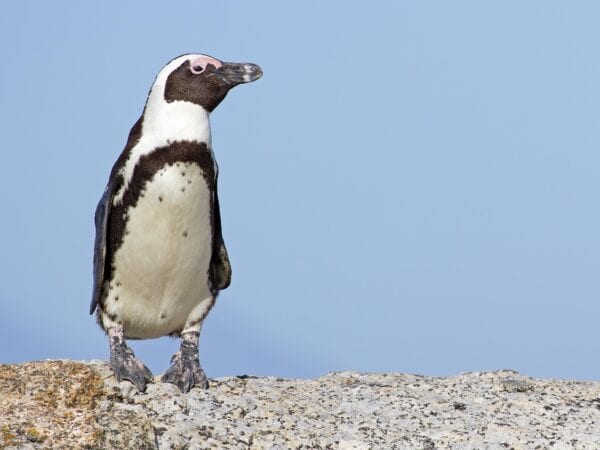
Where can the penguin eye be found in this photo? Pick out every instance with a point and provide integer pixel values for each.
(197, 69)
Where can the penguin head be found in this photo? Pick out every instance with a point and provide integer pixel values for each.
(202, 79)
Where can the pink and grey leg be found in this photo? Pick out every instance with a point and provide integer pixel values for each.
(124, 363)
(185, 370)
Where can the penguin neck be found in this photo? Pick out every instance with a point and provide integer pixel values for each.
(163, 123)
(174, 121)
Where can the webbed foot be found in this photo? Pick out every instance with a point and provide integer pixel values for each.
(125, 365)
(185, 371)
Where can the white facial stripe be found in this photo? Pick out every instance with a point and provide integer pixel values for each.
(164, 73)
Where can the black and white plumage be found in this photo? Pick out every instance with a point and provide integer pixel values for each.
(159, 255)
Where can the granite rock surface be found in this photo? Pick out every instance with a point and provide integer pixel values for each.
(69, 404)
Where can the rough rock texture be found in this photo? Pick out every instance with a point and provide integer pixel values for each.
(66, 404)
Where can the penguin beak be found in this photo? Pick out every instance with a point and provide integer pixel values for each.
(238, 73)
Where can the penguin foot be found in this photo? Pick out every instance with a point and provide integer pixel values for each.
(125, 365)
(185, 371)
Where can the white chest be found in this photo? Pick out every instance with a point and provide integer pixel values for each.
(161, 268)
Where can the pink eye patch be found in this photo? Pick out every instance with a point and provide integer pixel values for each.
(199, 64)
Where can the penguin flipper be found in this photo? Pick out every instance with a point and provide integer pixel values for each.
(220, 267)
(100, 244)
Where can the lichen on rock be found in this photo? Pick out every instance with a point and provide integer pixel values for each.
(51, 403)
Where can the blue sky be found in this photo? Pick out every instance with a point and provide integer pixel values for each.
(411, 187)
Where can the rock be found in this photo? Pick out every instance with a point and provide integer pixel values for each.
(68, 404)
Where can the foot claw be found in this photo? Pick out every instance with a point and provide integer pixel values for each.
(127, 367)
(185, 373)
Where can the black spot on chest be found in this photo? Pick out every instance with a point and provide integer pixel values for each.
(146, 168)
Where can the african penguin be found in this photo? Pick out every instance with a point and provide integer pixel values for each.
(159, 256)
